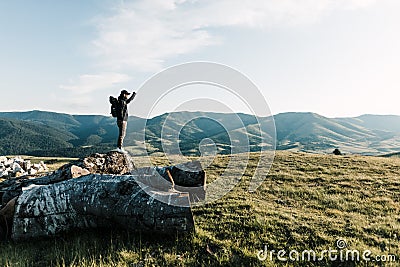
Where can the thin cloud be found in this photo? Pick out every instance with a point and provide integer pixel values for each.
(88, 83)
(141, 35)
(78, 93)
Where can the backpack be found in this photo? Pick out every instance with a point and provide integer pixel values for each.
(114, 106)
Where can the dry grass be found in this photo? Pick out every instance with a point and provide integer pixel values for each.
(307, 201)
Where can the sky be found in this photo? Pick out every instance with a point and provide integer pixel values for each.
(337, 58)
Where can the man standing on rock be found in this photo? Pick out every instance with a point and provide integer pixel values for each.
(122, 116)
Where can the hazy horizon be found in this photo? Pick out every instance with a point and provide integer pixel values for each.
(133, 115)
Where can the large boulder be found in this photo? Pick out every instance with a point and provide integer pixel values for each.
(103, 190)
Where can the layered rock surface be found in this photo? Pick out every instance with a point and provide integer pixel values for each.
(103, 190)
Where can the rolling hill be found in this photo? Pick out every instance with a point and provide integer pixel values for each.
(19, 137)
(315, 133)
(56, 134)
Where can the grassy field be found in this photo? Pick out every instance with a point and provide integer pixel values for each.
(307, 202)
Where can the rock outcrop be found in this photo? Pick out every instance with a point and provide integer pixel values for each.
(110, 163)
(16, 167)
(103, 190)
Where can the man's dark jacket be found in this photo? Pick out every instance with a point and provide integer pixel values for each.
(122, 114)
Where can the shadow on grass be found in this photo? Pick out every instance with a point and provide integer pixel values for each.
(104, 247)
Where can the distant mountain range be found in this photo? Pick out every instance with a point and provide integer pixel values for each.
(55, 134)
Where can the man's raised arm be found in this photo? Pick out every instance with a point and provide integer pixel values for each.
(131, 98)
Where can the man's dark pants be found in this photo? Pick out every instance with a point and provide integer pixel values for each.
(122, 132)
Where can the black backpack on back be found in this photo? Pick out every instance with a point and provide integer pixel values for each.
(114, 106)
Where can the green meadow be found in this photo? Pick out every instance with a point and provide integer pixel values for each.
(306, 202)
